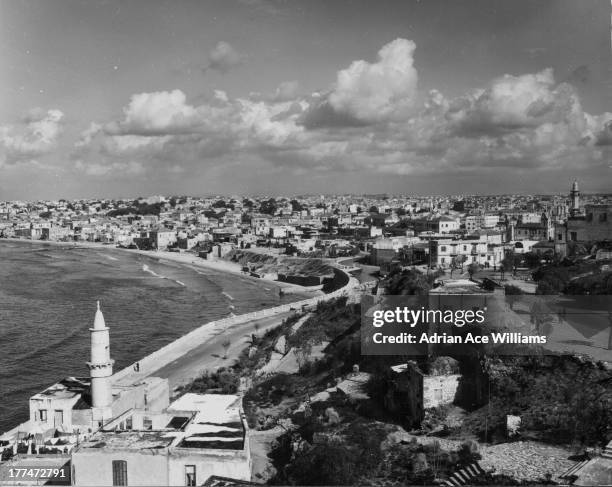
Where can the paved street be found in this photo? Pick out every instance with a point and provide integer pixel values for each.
(209, 355)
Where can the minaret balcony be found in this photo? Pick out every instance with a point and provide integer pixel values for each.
(100, 369)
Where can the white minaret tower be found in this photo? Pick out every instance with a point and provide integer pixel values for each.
(100, 370)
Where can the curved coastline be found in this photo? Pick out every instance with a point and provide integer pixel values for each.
(202, 266)
(215, 272)
(184, 258)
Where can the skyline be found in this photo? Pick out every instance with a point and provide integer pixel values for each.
(113, 98)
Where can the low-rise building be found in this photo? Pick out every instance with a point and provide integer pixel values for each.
(196, 437)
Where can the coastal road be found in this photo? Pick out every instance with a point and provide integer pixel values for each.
(209, 355)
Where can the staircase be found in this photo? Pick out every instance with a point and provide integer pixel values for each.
(607, 453)
(464, 476)
(573, 471)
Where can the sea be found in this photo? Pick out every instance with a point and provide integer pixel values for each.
(48, 298)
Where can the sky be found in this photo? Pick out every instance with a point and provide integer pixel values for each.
(113, 98)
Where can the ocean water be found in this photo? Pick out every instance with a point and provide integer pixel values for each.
(48, 299)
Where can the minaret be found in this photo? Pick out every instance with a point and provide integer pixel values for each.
(100, 370)
(574, 199)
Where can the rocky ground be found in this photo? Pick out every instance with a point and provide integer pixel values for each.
(522, 460)
(526, 460)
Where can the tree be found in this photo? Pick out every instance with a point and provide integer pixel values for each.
(511, 294)
(457, 263)
(296, 205)
(269, 206)
(511, 261)
(532, 260)
(472, 269)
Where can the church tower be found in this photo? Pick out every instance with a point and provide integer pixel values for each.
(575, 199)
(100, 370)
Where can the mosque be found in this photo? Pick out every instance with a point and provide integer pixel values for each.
(586, 223)
(85, 404)
(108, 430)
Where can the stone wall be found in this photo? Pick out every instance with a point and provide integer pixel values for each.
(439, 389)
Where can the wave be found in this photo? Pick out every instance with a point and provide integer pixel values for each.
(146, 268)
(227, 295)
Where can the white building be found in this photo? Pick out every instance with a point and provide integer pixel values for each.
(443, 251)
(197, 436)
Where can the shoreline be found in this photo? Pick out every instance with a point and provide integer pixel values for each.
(184, 257)
(299, 293)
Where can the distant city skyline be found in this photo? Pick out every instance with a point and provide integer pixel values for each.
(115, 98)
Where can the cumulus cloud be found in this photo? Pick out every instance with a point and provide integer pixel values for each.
(604, 136)
(223, 57)
(367, 92)
(373, 119)
(511, 103)
(287, 90)
(36, 136)
(156, 113)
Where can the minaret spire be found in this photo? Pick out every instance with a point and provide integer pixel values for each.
(100, 369)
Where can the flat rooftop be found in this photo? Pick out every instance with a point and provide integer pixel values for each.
(69, 388)
(195, 421)
(129, 440)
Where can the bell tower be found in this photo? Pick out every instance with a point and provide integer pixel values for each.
(100, 370)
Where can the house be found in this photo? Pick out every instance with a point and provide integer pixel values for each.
(446, 252)
(595, 224)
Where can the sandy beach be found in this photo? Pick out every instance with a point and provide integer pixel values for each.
(183, 257)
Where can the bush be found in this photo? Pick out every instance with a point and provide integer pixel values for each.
(222, 381)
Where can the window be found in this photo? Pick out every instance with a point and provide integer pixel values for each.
(560, 236)
(190, 475)
(603, 217)
(442, 260)
(128, 423)
(147, 424)
(589, 217)
(574, 236)
(443, 248)
(464, 248)
(119, 472)
(42, 415)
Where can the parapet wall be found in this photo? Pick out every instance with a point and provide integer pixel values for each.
(193, 339)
